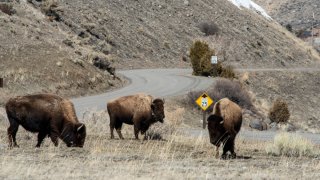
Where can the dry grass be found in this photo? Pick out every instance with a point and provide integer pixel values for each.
(180, 156)
(291, 145)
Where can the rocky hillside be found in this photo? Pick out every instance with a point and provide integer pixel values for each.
(51, 46)
(298, 13)
(157, 33)
(36, 56)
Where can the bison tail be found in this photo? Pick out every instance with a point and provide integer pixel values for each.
(68, 111)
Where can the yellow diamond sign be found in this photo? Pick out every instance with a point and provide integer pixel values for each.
(204, 101)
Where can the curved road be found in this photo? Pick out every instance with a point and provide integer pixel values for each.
(157, 82)
(166, 83)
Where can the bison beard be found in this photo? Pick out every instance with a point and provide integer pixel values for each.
(47, 114)
(223, 126)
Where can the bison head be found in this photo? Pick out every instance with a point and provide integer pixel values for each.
(157, 108)
(75, 136)
(216, 129)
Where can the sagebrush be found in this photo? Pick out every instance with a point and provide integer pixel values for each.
(279, 112)
(291, 145)
(225, 88)
(209, 28)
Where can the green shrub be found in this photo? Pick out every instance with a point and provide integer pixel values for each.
(290, 145)
(200, 55)
(279, 111)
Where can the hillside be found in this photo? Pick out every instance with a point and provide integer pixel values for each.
(35, 57)
(157, 34)
(49, 46)
(298, 13)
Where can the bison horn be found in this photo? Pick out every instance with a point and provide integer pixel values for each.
(79, 128)
(221, 122)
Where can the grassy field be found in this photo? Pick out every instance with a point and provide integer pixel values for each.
(175, 156)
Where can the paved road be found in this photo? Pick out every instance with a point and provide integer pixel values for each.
(157, 82)
(166, 83)
(253, 135)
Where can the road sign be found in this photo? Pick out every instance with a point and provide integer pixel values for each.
(214, 59)
(204, 101)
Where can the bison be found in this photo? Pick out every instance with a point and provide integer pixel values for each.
(139, 110)
(223, 125)
(47, 114)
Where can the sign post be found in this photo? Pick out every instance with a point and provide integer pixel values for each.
(204, 101)
(1, 82)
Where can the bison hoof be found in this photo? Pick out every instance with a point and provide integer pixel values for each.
(14, 146)
(227, 156)
(224, 156)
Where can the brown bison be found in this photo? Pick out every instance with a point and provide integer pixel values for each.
(47, 114)
(141, 110)
(223, 125)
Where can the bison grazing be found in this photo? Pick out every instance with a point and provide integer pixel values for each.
(224, 124)
(47, 114)
(141, 110)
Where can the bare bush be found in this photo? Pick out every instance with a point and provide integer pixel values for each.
(279, 111)
(225, 88)
(290, 145)
(49, 7)
(228, 72)
(209, 29)
(7, 8)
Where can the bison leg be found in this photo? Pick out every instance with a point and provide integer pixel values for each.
(118, 127)
(41, 136)
(229, 146)
(12, 132)
(54, 139)
(119, 133)
(233, 154)
(111, 131)
(54, 135)
(136, 130)
(112, 120)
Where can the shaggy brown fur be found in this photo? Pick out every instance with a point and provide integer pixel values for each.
(47, 114)
(139, 110)
(224, 124)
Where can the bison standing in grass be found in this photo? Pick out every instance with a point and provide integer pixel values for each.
(224, 124)
(47, 114)
(139, 110)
